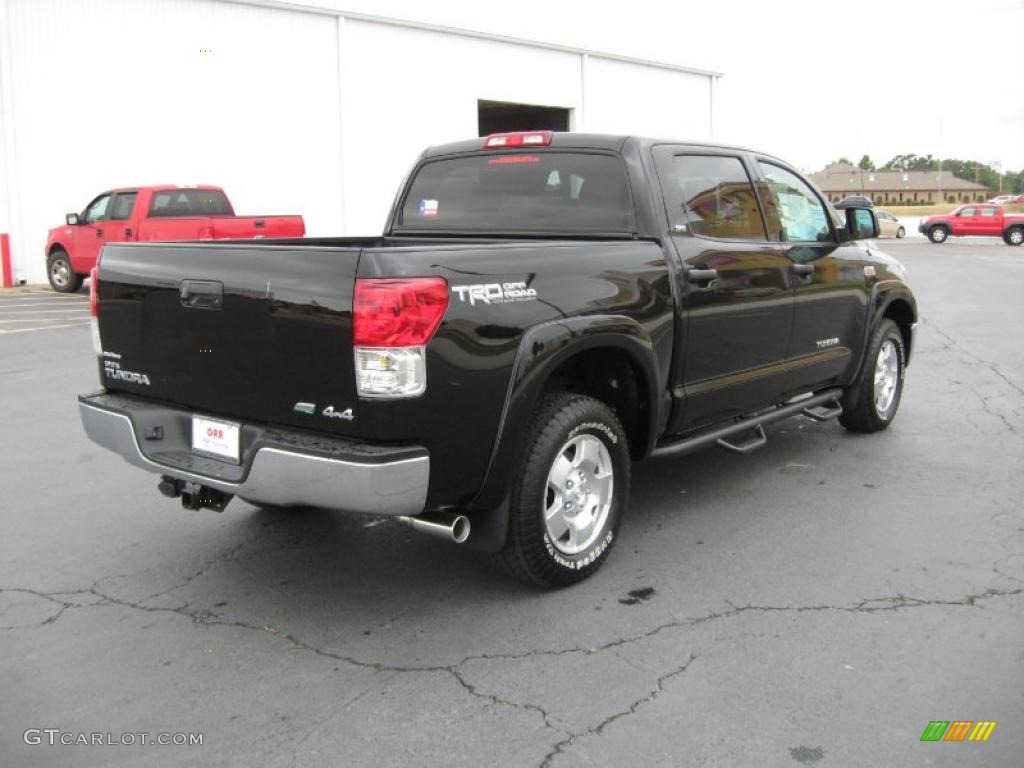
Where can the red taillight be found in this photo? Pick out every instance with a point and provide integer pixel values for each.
(519, 139)
(94, 291)
(397, 312)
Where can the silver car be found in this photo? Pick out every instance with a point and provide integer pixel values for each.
(889, 225)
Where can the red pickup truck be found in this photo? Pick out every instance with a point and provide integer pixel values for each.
(165, 212)
(981, 219)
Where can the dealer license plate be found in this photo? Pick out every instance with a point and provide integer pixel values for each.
(218, 438)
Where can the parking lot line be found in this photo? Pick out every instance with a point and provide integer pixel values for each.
(6, 331)
(34, 319)
(49, 295)
(33, 304)
(35, 312)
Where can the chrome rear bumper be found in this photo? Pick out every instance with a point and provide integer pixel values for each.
(385, 482)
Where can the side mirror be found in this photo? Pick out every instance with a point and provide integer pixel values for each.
(72, 219)
(861, 223)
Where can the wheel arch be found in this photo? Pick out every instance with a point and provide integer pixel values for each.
(610, 357)
(900, 311)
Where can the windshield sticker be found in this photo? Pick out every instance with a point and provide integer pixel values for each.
(428, 207)
(494, 293)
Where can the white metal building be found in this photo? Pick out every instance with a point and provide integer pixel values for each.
(292, 107)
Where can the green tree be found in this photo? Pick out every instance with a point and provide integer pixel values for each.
(866, 164)
(911, 162)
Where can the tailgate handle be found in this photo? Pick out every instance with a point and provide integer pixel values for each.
(259, 223)
(202, 294)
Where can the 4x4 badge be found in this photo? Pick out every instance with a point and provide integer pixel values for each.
(346, 414)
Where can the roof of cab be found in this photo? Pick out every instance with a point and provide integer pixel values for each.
(570, 140)
(161, 188)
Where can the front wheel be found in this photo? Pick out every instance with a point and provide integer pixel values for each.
(938, 234)
(62, 277)
(871, 402)
(568, 492)
(1015, 236)
(901, 232)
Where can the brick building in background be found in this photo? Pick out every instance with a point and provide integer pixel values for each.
(840, 180)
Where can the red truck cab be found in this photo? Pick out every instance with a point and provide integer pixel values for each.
(164, 212)
(975, 220)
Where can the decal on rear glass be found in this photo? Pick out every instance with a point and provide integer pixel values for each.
(428, 207)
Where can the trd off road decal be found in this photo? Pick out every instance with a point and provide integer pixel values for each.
(494, 293)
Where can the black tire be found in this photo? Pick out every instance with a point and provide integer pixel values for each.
(861, 409)
(566, 428)
(938, 234)
(1014, 236)
(900, 233)
(61, 274)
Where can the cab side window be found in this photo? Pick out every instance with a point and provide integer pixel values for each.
(123, 206)
(988, 210)
(794, 212)
(716, 198)
(969, 212)
(97, 209)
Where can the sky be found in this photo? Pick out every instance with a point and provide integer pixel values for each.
(807, 81)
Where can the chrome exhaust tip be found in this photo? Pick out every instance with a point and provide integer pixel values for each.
(452, 527)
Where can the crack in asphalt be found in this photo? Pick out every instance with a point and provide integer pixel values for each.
(896, 602)
(952, 342)
(559, 747)
(227, 554)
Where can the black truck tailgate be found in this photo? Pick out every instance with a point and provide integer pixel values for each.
(258, 332)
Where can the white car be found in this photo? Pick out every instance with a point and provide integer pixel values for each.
(889, 225)
(1002, 199)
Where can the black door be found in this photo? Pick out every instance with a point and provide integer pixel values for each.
(736, 288)
(830, 296)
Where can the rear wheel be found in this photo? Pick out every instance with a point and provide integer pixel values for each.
(568, 492)
(938, 234)
(871, 402)
(61, 275)
(1015, 236)
(901, 232)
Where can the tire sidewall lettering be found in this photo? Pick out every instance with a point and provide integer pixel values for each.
(599, 426)
(583, 560)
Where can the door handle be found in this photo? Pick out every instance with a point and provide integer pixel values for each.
(99, 232)
(202, 294)
(127, 231)
(803, 270)
(701, 275)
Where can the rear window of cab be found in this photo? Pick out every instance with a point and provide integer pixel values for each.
(558, 192)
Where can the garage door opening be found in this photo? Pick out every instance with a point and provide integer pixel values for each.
(505, 116)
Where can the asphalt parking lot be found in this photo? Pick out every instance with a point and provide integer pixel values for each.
(816, 602)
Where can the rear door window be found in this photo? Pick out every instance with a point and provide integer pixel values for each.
(714, 197)
(123, 205)
(569, 192)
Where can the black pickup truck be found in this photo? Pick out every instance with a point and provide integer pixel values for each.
(542, 310)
